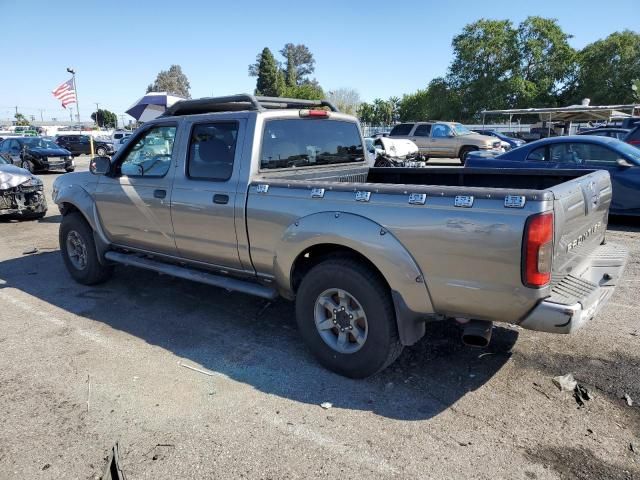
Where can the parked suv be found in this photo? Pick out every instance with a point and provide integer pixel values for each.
(80, 144)
(445, 139)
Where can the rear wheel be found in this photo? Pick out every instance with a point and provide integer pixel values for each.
(464, 151)
(346, 317)
(78, 250)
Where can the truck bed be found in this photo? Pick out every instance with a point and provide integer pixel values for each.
(528, 179)
(470, 255)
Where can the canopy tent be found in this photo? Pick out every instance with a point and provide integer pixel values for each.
(572, 113)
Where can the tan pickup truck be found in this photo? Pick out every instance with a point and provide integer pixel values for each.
(444, 139)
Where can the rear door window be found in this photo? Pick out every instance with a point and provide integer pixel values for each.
(538, 155)
(290, 143)
(402, 129)
(422, 130)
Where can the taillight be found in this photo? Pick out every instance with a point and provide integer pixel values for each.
(538, 250)
(314, 113)
(634, 142)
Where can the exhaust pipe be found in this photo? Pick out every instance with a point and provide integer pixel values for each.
(477, 333)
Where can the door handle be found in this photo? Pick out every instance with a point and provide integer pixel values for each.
(159, 193)
(220, 199)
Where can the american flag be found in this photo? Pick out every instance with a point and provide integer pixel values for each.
(65, 93)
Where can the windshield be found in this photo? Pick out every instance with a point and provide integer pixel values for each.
(631, 152)
(461, 129)
(40, 143)
(3, 161)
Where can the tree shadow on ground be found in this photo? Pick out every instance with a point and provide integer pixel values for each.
(256, 342)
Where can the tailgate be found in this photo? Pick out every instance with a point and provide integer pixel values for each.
(581, 208)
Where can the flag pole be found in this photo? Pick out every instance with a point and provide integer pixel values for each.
(75, 87)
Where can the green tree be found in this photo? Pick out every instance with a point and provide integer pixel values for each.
(383, 112)
(347, 100)
(300, 59)
(548, 64)
(414, 106)
(105, 118)
(307, 91)
(607, 69)
(21, 120)
(291, 74)
(366, 113)
(486, 57)
(268, 73)
(172, 81)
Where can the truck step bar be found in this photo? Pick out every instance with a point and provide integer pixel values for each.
(186, 273)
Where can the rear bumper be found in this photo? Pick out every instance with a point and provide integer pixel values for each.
(578, 297)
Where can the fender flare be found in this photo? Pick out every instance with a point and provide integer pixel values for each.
(83, 202)
(408, 285)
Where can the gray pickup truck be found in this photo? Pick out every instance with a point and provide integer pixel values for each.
(271, 196)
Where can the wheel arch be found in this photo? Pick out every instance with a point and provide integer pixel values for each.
(73, 198)
(325, 235)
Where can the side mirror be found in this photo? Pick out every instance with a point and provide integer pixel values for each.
(100, 165)
(622, 163)
(450, 135)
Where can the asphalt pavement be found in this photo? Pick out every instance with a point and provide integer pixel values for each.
(194, 382)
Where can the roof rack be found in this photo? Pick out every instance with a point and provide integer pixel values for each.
(244, 101)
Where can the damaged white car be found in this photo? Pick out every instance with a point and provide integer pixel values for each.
(393, 152)
(21, 193)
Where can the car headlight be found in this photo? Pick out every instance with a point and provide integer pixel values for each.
(32, 182)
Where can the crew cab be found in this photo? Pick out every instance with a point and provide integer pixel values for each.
(445, 139)
(274, 197)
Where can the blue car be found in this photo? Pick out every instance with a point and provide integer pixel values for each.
(578, 152)
(512, 142)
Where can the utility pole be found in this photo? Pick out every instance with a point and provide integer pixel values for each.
(97, 110)
(41, 116)
(75, 89)
(122, 118)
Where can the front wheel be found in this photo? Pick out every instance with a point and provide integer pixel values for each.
(464, 153)
(27, 165)
(78, 250)
(346, 317)
(69, 169)
(101, 151)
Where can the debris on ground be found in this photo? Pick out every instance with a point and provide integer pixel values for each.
(581, 394)
(211, 374)
(538, 388)
(113, 471)
(628, 399)
(46, 466)
(326, 405)
(30, 251)
(565, 383)
(633, 448)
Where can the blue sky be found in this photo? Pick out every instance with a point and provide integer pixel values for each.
(379, 48)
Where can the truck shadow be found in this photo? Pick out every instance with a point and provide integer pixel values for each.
(257, 343)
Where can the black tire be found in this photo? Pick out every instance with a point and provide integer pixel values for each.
(382, 345)
(93, 272)
(27, 165)
(101, 151)
(464, 151)
(69, 169)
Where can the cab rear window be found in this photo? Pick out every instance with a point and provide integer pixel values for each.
(291, 143)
